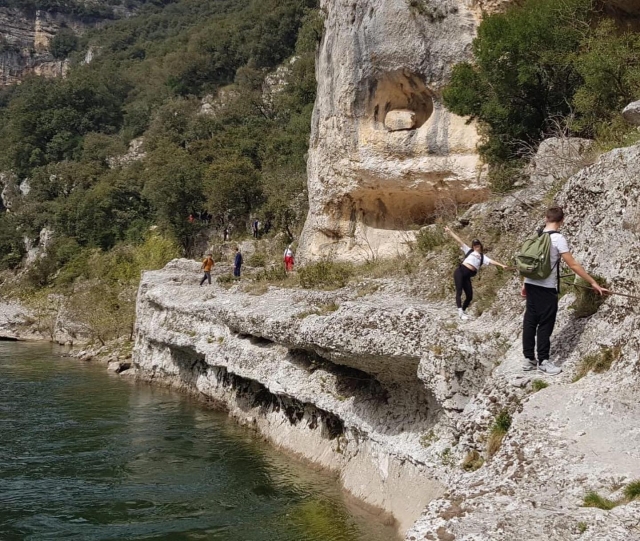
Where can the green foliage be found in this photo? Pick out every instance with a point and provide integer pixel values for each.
(597, 362)
(540, 64)
(498, 431)
(587, 300)
(63, 43)
(593, 499)
(503, 176)
(325, 275)
(632, 490)
(538, 385)
(430, 238)
(609, 68)
(11, 243)
(147, 77)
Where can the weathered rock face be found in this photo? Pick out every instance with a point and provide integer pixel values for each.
(384, 150)
(26, 37)
(25, 48)
(391, 390)
(573, 437)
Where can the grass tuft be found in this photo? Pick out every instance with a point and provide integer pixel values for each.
(597, 362)
(498, 431)
(593, 499)
(429, 238)
(587, 300)
(632, 490)
(538, 385)
(325, 275)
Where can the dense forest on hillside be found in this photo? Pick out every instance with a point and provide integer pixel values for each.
(81, 8)
(244, 157)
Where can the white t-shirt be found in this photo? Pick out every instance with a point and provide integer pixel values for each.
(559, 245)
(474, 258)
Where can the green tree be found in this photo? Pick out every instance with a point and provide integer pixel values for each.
(523, 76)
(609, 64)
(233, 190)
(63, 43)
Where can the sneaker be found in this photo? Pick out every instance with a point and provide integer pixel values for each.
(548, 368)
(529, 365)
(462, 315)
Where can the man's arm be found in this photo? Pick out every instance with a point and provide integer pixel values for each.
(579, 270)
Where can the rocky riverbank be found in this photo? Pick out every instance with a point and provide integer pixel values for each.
(393, 393)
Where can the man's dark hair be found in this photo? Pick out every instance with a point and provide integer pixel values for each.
(555, 215)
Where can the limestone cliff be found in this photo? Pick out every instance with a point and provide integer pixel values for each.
(390, 390)
(384, 150)
(26, 37)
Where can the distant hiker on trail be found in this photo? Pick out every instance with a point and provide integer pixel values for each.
(237, 263)
(540, 287)
(225, 234)
(474, 259)
(207, 265)
(288, 259)
(256, 228)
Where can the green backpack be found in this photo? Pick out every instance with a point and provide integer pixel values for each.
(533, 260)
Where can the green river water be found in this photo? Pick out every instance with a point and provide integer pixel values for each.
(85, 455)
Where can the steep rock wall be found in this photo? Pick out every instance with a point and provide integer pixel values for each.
(384, 150)
(25, 43)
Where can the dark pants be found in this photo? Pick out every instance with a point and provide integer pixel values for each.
(539, 320)
(236, 271)
(207, 276)
(462, 278)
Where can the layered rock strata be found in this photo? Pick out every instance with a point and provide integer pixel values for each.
(333, 376)
(385, 153)
(391, 391)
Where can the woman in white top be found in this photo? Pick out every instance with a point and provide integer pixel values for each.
(474, 259)
(288, 259)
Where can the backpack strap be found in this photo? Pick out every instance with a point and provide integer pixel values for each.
(557, 265)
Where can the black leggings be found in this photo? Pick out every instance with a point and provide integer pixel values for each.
(462, 278)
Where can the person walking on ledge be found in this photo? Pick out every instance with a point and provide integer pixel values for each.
(542, 296)
(237, 263)
(207, 265)
(288, 259)
(474, 259)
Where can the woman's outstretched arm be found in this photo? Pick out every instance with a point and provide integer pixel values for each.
(454, 236)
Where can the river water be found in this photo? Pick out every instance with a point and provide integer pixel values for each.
(85, 455)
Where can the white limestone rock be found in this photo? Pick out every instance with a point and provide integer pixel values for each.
(400, 119)
(631, 113)
(369, 186)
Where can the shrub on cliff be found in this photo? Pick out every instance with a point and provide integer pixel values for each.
(325, 275)
(540, 63)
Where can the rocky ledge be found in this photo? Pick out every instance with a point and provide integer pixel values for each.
(393, 393)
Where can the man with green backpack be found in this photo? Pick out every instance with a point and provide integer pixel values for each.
(539, 262)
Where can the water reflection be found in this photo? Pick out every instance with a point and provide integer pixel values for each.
(87, 456)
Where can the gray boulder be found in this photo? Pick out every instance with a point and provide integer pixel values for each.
(631, 113)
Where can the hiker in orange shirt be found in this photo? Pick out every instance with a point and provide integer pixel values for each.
(207, 265)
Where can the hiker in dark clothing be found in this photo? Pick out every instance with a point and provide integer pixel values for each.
(474, 259)
(256, 228)
(237, 263)
(542, 298)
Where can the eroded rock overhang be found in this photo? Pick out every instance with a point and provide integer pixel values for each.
(385, 154)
